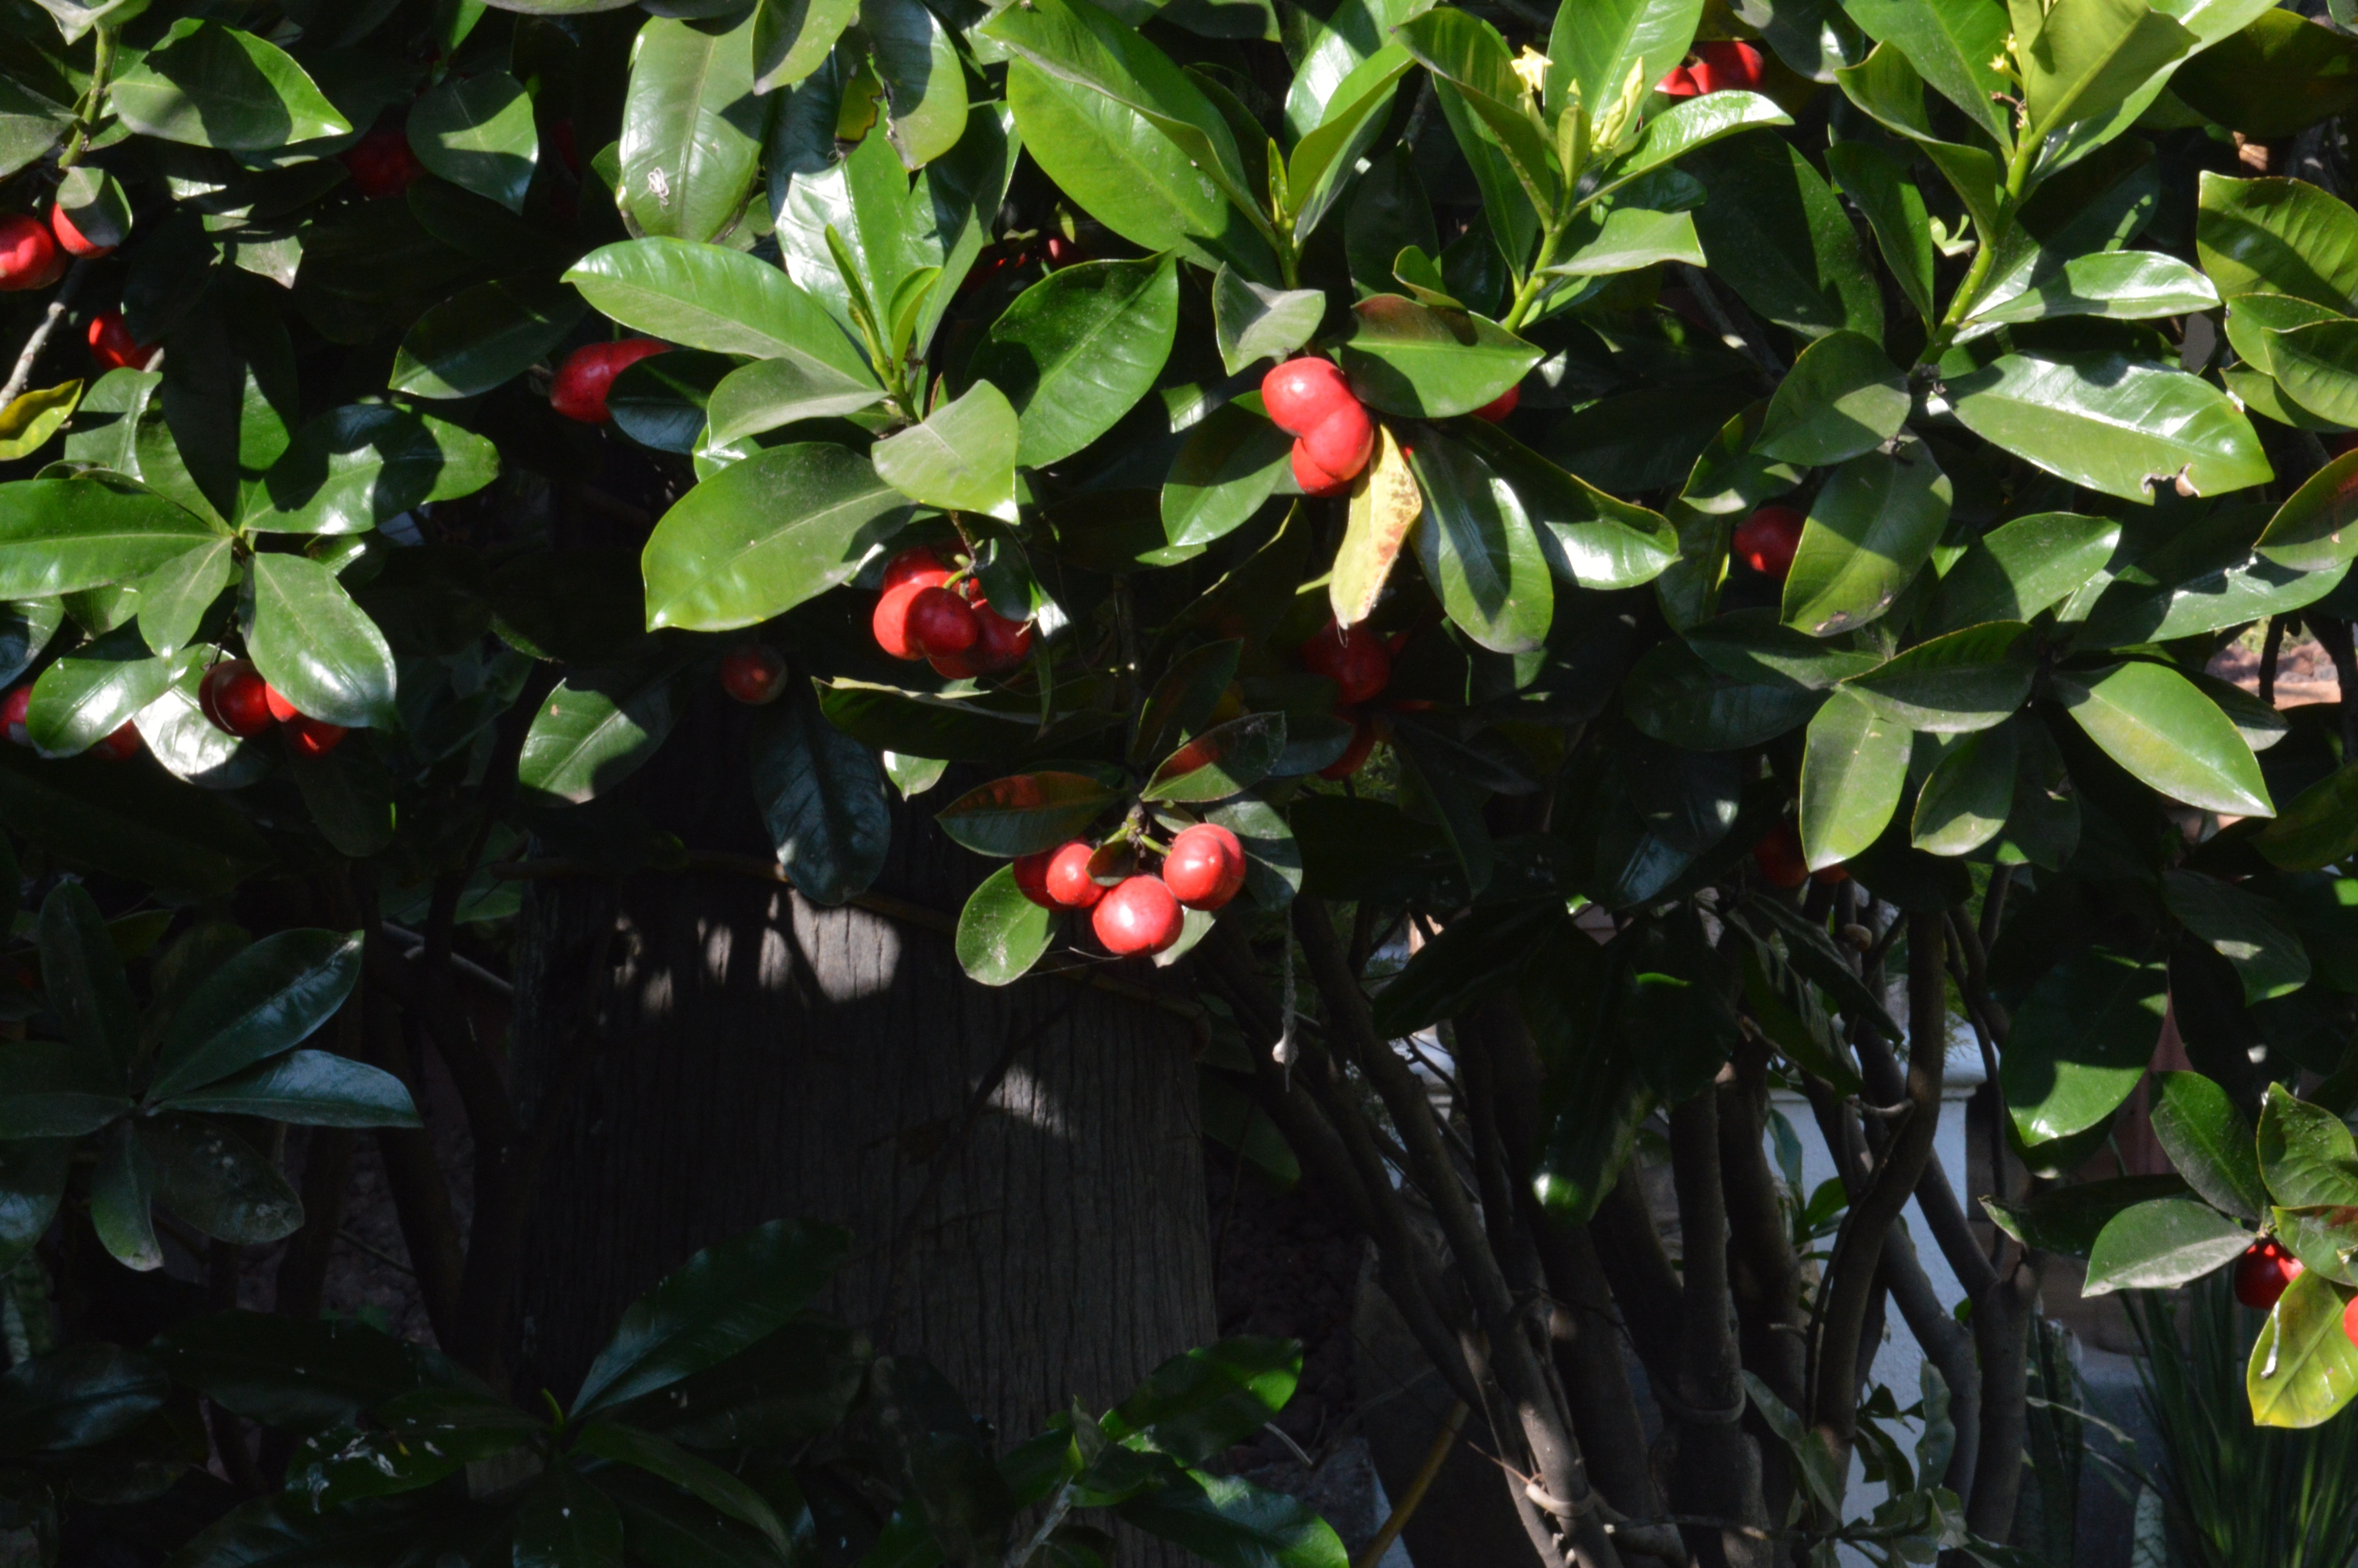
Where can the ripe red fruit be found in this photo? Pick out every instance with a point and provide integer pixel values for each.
(1357, 662)
(578, 391)
(119, 747)
(1766, 540)
(12, 713)
(1032, 878)
(999, 643)
(941, 623)
(1341, 443)
(753, 675)
(236, 699)
(2350, 1320)
(1313, 479)
(1780, 854)
(1062, 252)
(2263, 1272)
(890, 622)
(29, 257)
(1299, 394)
(111, 346)
(1138, 916)
(313, 737)
(381, 162)
(1498, 408)
(1355, 755)
(280, 708)
(1724, 64)
(70, 239)
(1068, 881)
(1205, 866)
(917, 563)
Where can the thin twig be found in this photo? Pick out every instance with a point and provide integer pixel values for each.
(1444, 1442)
(58, 304)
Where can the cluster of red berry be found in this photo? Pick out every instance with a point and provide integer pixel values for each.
(928, 611)
(1203, 869)
(1714, 68)
(578, 391)
(1766, 540)
(1333, 436)
(239, 701)
(34, 255)
(1359, 663)
(119, 747)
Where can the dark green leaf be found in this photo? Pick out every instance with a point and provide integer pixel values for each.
(2304, 1368)
(268, 999)
(710, 297)
(212, 85)
(134, 822)
(355, 467)
(2158, 725)
(307, 1088)
(83, 978)
(1967, 798)
(1001, 931)
(484, 337)
(1250, 322)
(49, 1090)
(1778, 235)
(822, 799)
(962, 458)
(1202, 1402)
(595, 729)
(2160, 1245)
(1409, 359)
(1026, 814)
(1079, 349)
(700, 1478)
(1843, 397)
(692, 128)
(2080, 1042)
(77, 1397)
(923, 76)
(1853, 768)
(766, 534)
(1230, 464)
(1224, 761)
(315, 645)
(2208, 1140)
(2247, 930)
(2017, 569)
(218, 1183)
(566, 1522)
(1232, 1523)
(1870, 530)
(1673, 695)
(61, 536)
(2306, 1153)
(2111, 422)
(2068, 1219)
(32, 1181)
(477, 132)
(1956, 683)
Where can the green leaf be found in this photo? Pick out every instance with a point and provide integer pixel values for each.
(1489, 112)
(84, 980)
(30, 419)
(313, 644)
(822, 799)
(1870, 530)
(173, 597)
(1843, 396)
(1026, 813)
(2276, 236)
(1324, 160)
(2021, 567)
(1879, 185)
(350, 798)
(1001, 931)
(2315, 365)
(1959, 45)
(710, 297)
(700, 1478)
(1596, 47)
(2307, 1156)
(1952, 685)
(1232, 1523)
(1779, 236)
(62, 536)
(266, 999)
(1673, 695)
(792, 38)
(2091, 56)
(212, 85)
(32, 1182)
(2324, 1240)
(353, 468)
(1853, 768)
(1250, 322)
(2080, 1042)
(1589, 538)
(1685, 128)
(88, 695)
(2241, 927)
(2304, 1368)
(1273, 856)
(1077, 350)
(1224, 761)
(692, 128)
(2160, 1245)
(132, 822)
(1753, 645)
(1231, 462)
(477, 132)
(2111, 422)
(26, 628)
(77, 1397)
(1965, 798)
(49, 1090)
(566, 1522)
(1202, 1402)
(2313, 531)
(2253, 320)
(1479, 551)
(962, 458)
(2122, 286)
(219, 1183)
(307, 1088)
(2278, 76)
(767, 393)
(768, 533)
(922, 77)
(1409, 359)
(484, 337)
(594, 730)
(2208, 1140)
(2068, 1219)
(725, 1298)
(30, 124)
(2319, 827)
(2158, 725)
(1618, 236)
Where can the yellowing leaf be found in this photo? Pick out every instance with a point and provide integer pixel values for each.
(32, 417)
(1385, 504)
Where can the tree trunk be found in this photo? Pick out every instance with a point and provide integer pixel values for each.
(757, 1056)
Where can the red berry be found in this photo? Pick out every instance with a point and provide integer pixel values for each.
(12, 713)
(890, 622)
(999, 643)
(941, 623)
(1498, 408)
(119, 747)
(381, 164)
(1205, 866)
(753, 675)
(1355, 660)
(29, 257)
(1766, 540)
(111, 346)
(236, 699)
(620, 356)
(1300, 394)
(1313, 479)
(1723, 64)
(71, 239)
(956, 667)
(312, 737)
(1062, 252)
(1068, 881)
(578, 391)
(2263, 1272)
(280, 708)
(1355, 755)
(1342, 443)
(914, 564)
(1780, 854)
(1032, 878)
(1138, 916)
(1678, 83)
(2350, 1320)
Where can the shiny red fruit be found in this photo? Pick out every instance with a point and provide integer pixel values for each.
(29, 257)
(12, 713)
(1138, 916)
(579, 390)
(119, 747)
(2263, 1272)
(1061, 253)
(2350, 1320)
(1341, 443)
(956, 667)
(111, 346)
(941, 623)
(71, 240)
(1355, 755)
(890, 622)
(1780, 854)
(1355, 660)
(1766, 540)
(1724, 64)
(753, 675)
(1498, 408)
(1300, 394)
(281, 709)
(236, 699)
(916, 563)
(1313, 479)
(312, 737)
(1205, 866)
(381, 164)
(1032, 878)
(1678, 83)
(999, 643)
(1068, 881)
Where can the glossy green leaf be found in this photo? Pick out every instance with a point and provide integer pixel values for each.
(210, 84)
(2021, 567)
(477, 132)
(822, 799)
(792, 38)
(77, 1397)
(307, 1088)
(594, 730)
(566, 1522)
(1025, 813)
(1965, 798)
(2069, 1218)
(2316, 365)
(1617, 236)
(218, 1183)
(1853, 767)
(30, 124)
(2241, 927)
(2253, 318)
(692, 128)
(1680, 129)
(1843, 396)
(30, 419)
(2318, 827)
(2080, 1042)
(484, 337)
(1878, 184)
(962, 458)
(1596, 47)
(1754, 645)
(1232, 1523)
(173, 597)
(767, 533)
(1488, 109)
(2207, 1138)
(2324, 1240)
(1870, 530)
(123, 1200)
(2278, 76)
(2158, 725)
(313, 644)
(1250, 322)
(660, 400)
(1001, 931)
(1589, 538)
(1202, 1402)
(132, 822)
(767, 393)
(62, 536)
(2160, 1245)
(922, 77)
(2123, 285)
(710, 297)
(1409, 359)
(2276, 236)
(699, 1477)
(1479, 551)
(1958, 46)
(1323, 161)
(2111, 422)
(2307, 1155)
(2304, 1368)
(266, 999)
(1224, 761)
(2091, 56)
(353, 468)
(1673, 695)
(1963, 681)
(1230, 463)
(89, 694)
(1077, 350)
(2313, 531)
(49, 1090)
(1774, 231)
